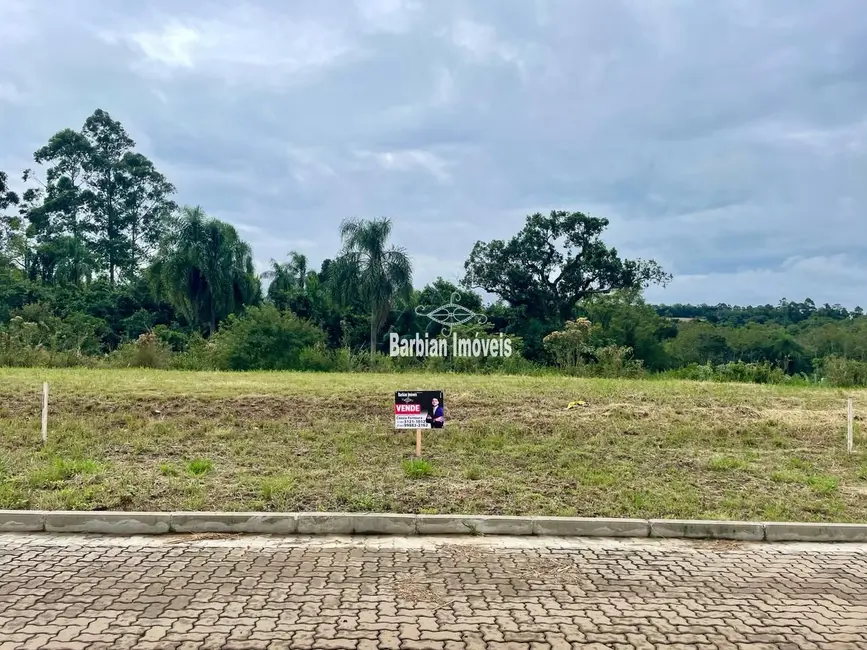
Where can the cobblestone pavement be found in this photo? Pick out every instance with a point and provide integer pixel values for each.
(194, 593)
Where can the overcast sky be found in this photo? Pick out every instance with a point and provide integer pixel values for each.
(725, 139)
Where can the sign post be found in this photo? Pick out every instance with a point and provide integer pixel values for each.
(419, 410)
(45, 413)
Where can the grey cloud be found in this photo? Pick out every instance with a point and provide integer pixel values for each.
(727, 139)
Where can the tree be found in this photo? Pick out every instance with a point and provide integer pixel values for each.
(107, 200)
(205, 270)
(554, 262)
(288, 279)
(369, 271)
(625, 320)
(10, 225)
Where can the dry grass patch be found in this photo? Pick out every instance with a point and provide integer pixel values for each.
(416, 588)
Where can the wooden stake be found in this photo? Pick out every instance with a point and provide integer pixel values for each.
(418, 443)
(849, 426)
(45, 413)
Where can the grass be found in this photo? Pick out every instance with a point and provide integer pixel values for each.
(166, 440)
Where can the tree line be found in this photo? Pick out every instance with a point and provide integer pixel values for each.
(99, 264)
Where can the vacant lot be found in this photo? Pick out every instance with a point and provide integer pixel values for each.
(152, 440)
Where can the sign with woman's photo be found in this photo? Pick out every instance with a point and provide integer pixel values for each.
(419, 409)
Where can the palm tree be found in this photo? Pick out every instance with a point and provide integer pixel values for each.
(204, 269)
(368, 271)
(287, 279)
(298, 268)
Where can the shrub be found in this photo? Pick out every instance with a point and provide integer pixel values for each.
(616, 361)
(198, 355)
(147, 351)
(264, 338)
(174, 338)
(570, 346)
(35, 336)
(750, 373)
(842, 372)
(315, 358)
(736, 371)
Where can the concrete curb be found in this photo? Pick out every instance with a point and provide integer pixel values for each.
(351, 523)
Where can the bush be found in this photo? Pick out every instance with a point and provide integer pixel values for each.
(693, 371)
(177, 340)
(264, 338)
(842, 372)
(316, 358)
(147, 351)
(34, 336)
(616, 361)
(198, 355)
(750, 373)
(570, 347)
(736, 371)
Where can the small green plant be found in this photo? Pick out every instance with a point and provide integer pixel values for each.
(275, 488)
(60, 470)
(788, 476)
(168, 469)
(725, 463)
(822, 484)
(200, 466)
(473, 473)
(800, 463)
(417, 468)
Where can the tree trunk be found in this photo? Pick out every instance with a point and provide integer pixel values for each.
(212, 325)
(373, 317)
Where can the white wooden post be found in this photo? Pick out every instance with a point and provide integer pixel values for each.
(850, 416)
(45, 413)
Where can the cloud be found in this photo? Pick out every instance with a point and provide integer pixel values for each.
(726, 139)
(235, 45)
(389, 16)
(409, 160)
(10, 93)
(795, 278)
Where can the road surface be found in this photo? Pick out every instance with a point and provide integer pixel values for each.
(246, 593)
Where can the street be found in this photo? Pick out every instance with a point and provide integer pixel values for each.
(228, 592)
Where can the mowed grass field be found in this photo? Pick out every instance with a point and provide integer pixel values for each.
(166, 440)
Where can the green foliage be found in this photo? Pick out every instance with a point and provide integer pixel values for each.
(553, 263)
(576, 350)
(98, 267)
(371, 273)
(316, 358)
(626, 321)
(200, 466)
(101, 208)
(615, 361)
(737, 371)
(842, 372)
(35, 336)
(147, 351)
(571, 347)
(264, 338)
(205, 270)
(417, 468)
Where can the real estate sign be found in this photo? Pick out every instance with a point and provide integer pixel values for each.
(419, 409)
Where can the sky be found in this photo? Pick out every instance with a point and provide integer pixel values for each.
(727, 139)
